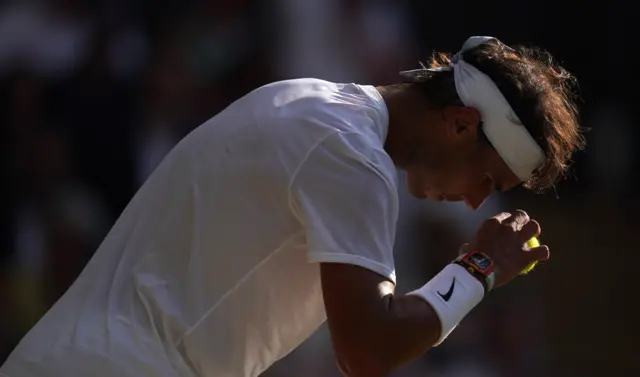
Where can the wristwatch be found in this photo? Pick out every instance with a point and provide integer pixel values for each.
(479, 265)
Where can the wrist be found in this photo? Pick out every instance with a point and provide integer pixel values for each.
(480, 266)
(452, 294)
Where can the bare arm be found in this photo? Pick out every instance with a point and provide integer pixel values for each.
(373, 331)
(349, 208)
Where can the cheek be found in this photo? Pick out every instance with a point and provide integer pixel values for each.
(415, 183)
(413, 179)
(454, 174)
(457, 179)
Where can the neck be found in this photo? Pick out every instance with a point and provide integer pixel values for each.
(401, 136)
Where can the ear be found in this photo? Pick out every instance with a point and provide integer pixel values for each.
(462, 121)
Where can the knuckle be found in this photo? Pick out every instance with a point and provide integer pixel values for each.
(521, 215)
(531, 229)
(491, 223)
(544, 251)
(498, 219)
(536, 226)
(501, 216)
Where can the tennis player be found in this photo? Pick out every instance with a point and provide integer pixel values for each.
(280, 212)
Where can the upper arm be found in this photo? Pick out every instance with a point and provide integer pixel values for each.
(356, 302)
(346, 198)
(349, 210)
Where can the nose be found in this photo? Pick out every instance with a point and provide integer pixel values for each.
(474, 204)
(476, 199)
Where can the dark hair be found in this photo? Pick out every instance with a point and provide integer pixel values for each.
(541, 93)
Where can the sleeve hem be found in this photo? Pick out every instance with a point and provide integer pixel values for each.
(357, 260)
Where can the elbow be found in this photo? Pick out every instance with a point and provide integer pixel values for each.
(372, 356)
(350, 370)
(359, 362)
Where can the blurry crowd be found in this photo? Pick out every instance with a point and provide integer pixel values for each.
(95, 93)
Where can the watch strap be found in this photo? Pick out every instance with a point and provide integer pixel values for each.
(485, 276)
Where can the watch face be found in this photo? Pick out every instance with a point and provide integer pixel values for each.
(480, 260)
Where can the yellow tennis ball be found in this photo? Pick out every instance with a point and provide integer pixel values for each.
(532, 243)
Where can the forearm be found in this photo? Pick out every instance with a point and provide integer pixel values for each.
(396, 329)
(411, 328)
(404, 328)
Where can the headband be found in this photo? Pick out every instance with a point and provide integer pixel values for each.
(501, 125)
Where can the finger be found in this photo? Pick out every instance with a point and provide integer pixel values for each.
(518, 220)
(502, 216)
(540, 253)
(530, 230)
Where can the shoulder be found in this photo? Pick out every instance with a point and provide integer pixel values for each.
(345, 106)
(350, 162)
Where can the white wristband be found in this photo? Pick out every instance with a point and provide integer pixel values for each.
(452, 294)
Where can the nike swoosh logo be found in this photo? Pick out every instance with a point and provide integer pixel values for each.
(447, 295)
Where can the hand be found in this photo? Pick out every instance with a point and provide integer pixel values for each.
(503, 238)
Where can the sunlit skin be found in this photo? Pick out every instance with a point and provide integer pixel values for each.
(443, 151)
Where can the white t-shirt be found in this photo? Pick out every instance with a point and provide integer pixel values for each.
(212, 270)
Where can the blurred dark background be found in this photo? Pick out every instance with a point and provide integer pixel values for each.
(94, 93)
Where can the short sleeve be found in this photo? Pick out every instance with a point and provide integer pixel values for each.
(345, 194)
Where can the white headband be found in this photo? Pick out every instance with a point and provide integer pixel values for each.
(501, 125)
